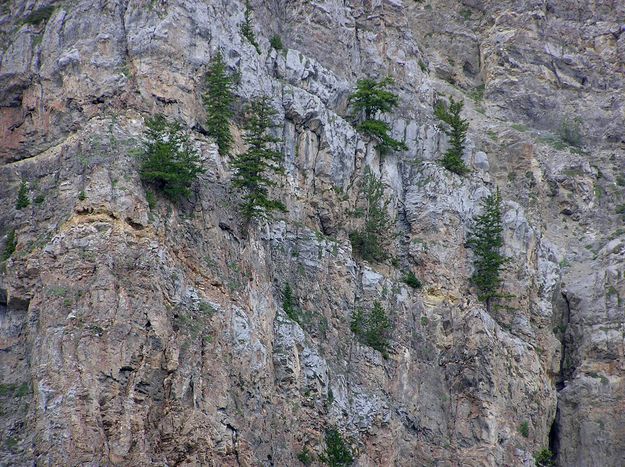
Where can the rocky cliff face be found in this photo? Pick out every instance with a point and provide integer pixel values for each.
(136, 334)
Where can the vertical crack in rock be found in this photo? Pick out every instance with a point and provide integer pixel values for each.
(566, 370)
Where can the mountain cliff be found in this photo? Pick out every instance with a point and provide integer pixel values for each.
(139, 331)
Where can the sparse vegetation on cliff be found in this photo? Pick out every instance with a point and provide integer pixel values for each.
(411, 280)
(370, 242)
(247, 29)
(456, 129)
(276, 42)
(288, 302)
(22, 196)
(372, 327)
(9, 247)
(544, 458)
(487, 240)
(168, 160)
(336, 453)
(218, 101)
(372, 98)
(254, 166)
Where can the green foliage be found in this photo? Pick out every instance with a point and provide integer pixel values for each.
(11, 443)
(544, 458)
(487, 241)
(218, 101)
(372, 98)
(380, 130)
(570, 132)
(14, 390)
(247, 29)
(372, 327)
(150, 197)
(337, 453)
(524, 429)
(305, 457)
(252, 168)
(39, 16)
(168, 160)
(370, 242)
(39, 199)
(9, 247)
(288, 302)
(411, 280)
(82, 195)
(276, 42)
(477, 93)
(466, 14)
(22, 196)
(519, 127)
(457, 131)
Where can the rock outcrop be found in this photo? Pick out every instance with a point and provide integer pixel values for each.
(141, 333)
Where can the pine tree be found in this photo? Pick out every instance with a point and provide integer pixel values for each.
(168, 160)
(336, 452)
(370, 242)
(371, 328)
(544, 458)
(457, 132)
(247, 29)
(10, 246)
(218, 101)
(252, 168)
(487, 241)
(378, 326)
(288, 302)
(358, 323)
(372, 98)
(22, 196)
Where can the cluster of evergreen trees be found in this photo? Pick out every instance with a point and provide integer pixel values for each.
(170, 164)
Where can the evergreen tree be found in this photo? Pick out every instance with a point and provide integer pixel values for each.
(372, 328)
(218, 101)
(411, 280)
(544, 458)
(247, 29)
(378, 325)
(357, 325)
(252, 168)
(370, 242)
(288, 302)
(276, 42)
(10, 246)
(487, 241)
(372, 98)
(22, 196)
(336, 453)
(457, 131)
(168, 160)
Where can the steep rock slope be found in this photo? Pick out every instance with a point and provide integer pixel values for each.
(147, 335)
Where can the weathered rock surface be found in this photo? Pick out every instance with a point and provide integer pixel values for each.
(141, 335)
